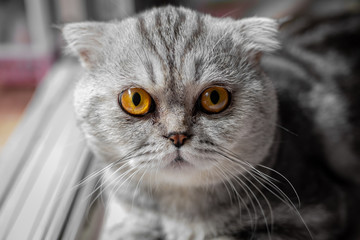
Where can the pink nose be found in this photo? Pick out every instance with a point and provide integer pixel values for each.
(178, 139)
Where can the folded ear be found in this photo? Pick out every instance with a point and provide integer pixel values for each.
(257, 34)
(85, 41)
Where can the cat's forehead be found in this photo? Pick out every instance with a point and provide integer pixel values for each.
(169, 17)
(172, 35)
(172, 47)
(173, 76)
(168, 39)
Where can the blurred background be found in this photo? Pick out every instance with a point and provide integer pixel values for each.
(30, 42)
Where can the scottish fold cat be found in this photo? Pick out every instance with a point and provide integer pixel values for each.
(195, 141)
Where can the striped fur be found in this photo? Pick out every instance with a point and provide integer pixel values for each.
(245, 168)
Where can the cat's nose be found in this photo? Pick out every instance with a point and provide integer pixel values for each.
(178, 139)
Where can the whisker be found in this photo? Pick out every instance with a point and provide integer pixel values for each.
(264, 179)
(230, 12)
(287, 200)
(237, 178)
(282, 176)
(109, 166)
(265, 176)
(222, 177)
(128, 179)
(137, 185)
(115, 182)
(286, 129)
(253, 223)
(114, 163)
(102, 189)
(116, 171)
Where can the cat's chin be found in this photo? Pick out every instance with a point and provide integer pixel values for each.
(175, 161)
(183, 173)
(186, 175)
(179, 164)
(181, 168)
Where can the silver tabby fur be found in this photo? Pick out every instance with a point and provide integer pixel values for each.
(223, 189)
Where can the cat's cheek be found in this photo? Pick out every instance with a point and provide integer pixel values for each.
(221, 132)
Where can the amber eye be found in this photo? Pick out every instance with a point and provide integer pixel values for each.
(214, 99)
(135, 101)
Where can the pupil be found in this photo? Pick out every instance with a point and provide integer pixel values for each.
(136, 99)
(214, 97)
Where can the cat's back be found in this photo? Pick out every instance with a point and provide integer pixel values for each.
(317, 76)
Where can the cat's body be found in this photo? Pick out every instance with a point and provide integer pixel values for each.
(181, 172)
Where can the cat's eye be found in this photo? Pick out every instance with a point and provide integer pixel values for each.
(214, 99)
(136, 101)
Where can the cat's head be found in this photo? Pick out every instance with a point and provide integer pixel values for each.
(176, 93)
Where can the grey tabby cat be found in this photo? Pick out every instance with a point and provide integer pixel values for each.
(177, 106)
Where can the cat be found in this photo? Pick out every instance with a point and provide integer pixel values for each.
(197, 142)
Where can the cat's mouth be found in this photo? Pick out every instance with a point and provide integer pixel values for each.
(178, 162)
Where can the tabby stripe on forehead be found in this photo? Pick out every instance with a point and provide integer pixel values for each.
(170, 48)
(145, 34)
(170, 61)
(147, 64)
(198, 69)
(193, 38)
(180, 21)
(150, 70)
(158, 26)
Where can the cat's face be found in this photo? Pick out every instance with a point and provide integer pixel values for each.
(176, 94)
